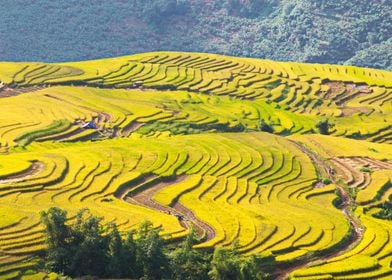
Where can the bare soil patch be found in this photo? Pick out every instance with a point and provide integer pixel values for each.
(184, 215)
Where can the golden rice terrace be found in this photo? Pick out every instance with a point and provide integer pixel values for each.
(231, 145)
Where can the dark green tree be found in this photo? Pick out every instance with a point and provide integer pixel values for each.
(249, 8)
(129, 255)
(116, 266)
(385, 212)
(188, 263)
(251, 268)
(266, 127)
(324, 126)
(90, 246)
(228, 264)
(57, 233)
(159, 11)
(150, 254)
(225, 265)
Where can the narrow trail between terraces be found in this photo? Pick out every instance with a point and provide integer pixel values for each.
(186, 218)
(346, 205)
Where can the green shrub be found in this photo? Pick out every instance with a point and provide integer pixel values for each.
(326, 181)
(87, 248)
(366, 169)
(386, 211)
(55, 127)
(266, 127)
(324, 126)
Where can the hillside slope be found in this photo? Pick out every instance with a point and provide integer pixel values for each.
(288, 97)
(333, 31)
(229, 144)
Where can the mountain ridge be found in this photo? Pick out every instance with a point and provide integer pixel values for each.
(342, 32)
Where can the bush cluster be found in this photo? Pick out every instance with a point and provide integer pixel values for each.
(87, 248)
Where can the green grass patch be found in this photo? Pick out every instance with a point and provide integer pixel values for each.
(55, 127)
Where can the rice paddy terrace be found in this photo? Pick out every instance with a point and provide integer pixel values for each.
(160, 136)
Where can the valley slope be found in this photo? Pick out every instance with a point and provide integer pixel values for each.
(230, 145)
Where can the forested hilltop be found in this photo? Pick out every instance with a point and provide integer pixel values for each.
(333, 31)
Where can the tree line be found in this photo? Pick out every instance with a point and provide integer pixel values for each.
(87, 247)
(322, 31)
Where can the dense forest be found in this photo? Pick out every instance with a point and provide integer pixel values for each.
(333, 31)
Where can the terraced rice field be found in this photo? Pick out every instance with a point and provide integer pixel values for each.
(175, 138)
